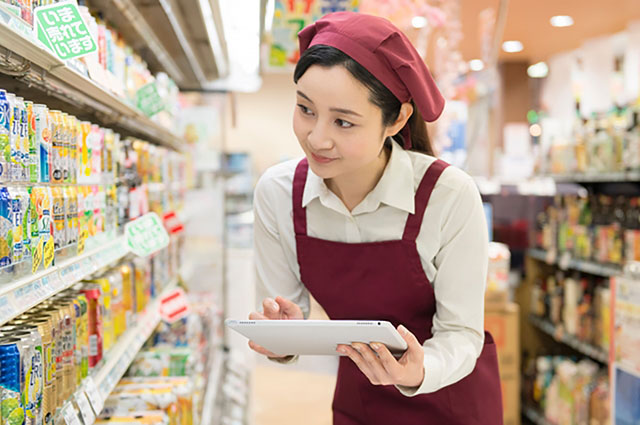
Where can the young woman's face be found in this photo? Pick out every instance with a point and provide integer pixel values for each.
(337, 126)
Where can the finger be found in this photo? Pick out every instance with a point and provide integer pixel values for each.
(373, 363)
(290, 309)
(414, 350)
(261, 350)
(257, 316)
(271, 308)
(389, 363)
(359, 361)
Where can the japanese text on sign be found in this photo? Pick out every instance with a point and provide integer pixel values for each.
(61, 28)
(146, 235)
(148, 99)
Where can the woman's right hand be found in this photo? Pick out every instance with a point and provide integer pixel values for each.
(278, 309)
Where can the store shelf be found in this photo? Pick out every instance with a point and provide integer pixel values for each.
(39, 68)
(25, 293)
(566, 263)
(213, 385)
(612, 177)
(104, 379)
(534, 416)
(588, 350)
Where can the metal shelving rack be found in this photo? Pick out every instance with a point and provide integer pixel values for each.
(591, 267)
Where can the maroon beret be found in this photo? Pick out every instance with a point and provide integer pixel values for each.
(381, 48)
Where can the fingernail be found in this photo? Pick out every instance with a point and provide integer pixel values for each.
(357, 348)
(376, 346)
(275, 306)
(402, 330)
(341, 350)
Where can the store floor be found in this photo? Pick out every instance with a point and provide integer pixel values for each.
(295, 394)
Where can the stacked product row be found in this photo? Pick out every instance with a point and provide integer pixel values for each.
(598, 228)
(47, 352)
(167, 380)
(578, 305)
(65, 181)
(567, 391)
(608, 142)
(114, 65)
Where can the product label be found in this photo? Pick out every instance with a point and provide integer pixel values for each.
(146, 235)
(62, 30)
(38, 251)
(148, 99)
(48, 253)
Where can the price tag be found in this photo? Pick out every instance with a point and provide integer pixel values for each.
(93, 395)
(37, 255)
(48, 253)
(70, 415)
(56, 281)
(6, 309)
(174, 305)
(88, 415)
(47, 286)
(146, 235)
(24, 295)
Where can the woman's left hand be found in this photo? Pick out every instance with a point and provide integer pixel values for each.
(379, 365)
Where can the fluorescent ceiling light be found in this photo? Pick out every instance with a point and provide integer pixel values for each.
(512, 46)
(476, 65)
(538, 70)
(419, 22)
(268, 18)
(212, 33)
(242, 34)
(561, 21)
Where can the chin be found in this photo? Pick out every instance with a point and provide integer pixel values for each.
(323, 171)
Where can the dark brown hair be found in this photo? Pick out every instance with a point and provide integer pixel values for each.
(380, 95)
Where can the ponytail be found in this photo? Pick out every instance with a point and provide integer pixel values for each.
(420, 141)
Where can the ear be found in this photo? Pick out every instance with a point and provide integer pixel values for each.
(406, 110)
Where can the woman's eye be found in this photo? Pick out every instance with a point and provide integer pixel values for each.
(343, 123)
(305, 110)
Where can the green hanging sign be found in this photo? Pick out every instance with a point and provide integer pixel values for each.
(62, 30)
(148, 99)
(146, 235)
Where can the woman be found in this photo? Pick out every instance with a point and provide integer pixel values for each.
(375, 227)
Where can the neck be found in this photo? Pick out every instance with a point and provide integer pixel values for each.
(354, 186)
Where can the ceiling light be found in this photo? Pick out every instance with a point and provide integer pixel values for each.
(535, 130)
(512, 46)
(561, 21)
(476, 65)
(538, 70)
(268, 19)
(419, 22)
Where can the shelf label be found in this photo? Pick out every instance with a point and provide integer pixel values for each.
(172, 223)
(86, 411)
(146, 235)
(48, 253)
(148, 99)
(70, 415)
(93, 395)
(62, 30)
(174, 305)
(37, 255)
(6, 309)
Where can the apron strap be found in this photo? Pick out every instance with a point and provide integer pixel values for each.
(299, 213)
(414, 221)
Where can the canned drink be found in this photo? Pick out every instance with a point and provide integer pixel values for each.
(96, 143)
(72, 213)
(43, 325)
(44, 206)
(66, 141)
(83, 338)
(73, 149)
(89, 220)
(111, 210)
(14, 137)
(26, 222)
(85, 147)
(67, 330)
(42, 142)
(55, 360)
(32, 163)
(17, 217)
(59, 218)
(24, 141)
(6, 229)
(57, 142)
(10, 369)
(94, 323)
(31, 377)
(33, 225)
(99, 207)
(108, 335)
(117, 303)
(108, 156)
(128, 294)
(5, 134)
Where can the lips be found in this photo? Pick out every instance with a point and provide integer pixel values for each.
(321, 159)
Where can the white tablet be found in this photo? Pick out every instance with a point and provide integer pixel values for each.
(317, 337)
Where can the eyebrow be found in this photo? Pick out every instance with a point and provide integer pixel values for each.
(340, 110)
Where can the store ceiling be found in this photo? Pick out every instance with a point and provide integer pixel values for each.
(528, 22)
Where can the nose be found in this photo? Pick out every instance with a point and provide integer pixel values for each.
(318, 138)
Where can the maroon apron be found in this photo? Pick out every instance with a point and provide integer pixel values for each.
(386, 281)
